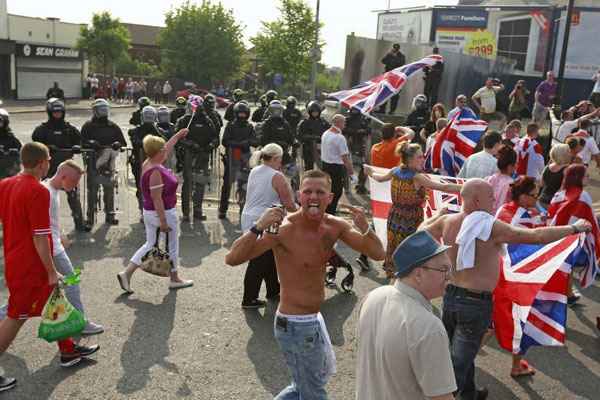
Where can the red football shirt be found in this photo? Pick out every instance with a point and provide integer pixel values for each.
(24, 212)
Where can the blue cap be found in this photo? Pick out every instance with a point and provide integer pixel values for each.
(415, 250)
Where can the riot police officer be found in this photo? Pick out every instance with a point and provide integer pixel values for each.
(210, 104)
(239, 135)
(136, 115)
(198, 145)
(164, 125)
(418, 116)
(258, 114)
(9, 147)
(357, 133)
(179, 110)
(310, 131)
(60, 137)
(229, 112)
(292, 114)
(269, 97)
(276, 130)
(136, 136)
(98, 135)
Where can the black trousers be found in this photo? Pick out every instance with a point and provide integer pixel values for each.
(393, 104)
(259, 269)
(337, 172)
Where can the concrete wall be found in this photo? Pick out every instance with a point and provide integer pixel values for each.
(42, 31)
(3, 20)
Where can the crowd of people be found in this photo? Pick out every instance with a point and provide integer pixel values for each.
(123, 90)
(290, 224)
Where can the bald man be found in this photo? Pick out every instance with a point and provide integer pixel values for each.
(336, 159)
(467, 310)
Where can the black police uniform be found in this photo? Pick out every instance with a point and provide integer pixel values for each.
(229, 115)
(357, 133)
(293, 116)
(239, 135)
(176, 114)
(55, 92)
(201, 139)
(136, 136)
(417, 120)
(166, 129)
(310, 131)
(392, 60)
(216, 119)
(433, 78)
(277, 130)
(60, 137)
(258, 114)
(136, 118)
(9, 153)
(105, 133)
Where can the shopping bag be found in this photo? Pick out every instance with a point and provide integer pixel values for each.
(60, 320)
(157, 261)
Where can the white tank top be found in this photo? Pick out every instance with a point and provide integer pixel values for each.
(260, 195)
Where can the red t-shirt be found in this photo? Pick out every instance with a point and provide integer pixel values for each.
(24, 212)
(383, 154)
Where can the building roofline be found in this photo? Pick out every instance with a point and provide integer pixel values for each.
(474, 7)
(47, 19)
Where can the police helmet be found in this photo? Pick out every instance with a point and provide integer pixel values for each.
(291, 102)
(143, 102)
(237, 95)
(148, 115)
(313, 106)
(100, 108)
(55, 105)
(420, 102)
(4, 118)
(271, 95)
(275, 109)
(210, 101)
(163, 115)
(180, 102)
(241, 107)
(263, 100)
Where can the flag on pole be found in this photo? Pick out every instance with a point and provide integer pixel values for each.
(369, 95)
(455, 143)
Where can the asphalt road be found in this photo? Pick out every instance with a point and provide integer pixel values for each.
(197, 343)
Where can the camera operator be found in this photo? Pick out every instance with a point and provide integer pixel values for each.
(518, 102)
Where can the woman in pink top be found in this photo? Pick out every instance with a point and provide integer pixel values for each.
(501, 180)
(159, 192)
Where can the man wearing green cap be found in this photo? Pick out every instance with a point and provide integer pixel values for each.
(403, 350)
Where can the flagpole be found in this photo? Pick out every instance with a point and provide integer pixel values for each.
(374, 119)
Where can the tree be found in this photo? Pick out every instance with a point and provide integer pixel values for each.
(285, 45)
(105, 42)
(201, 43)
(128, 66)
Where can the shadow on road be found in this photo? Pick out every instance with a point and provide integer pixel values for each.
(498, 390)
(336, 311)
(263, 351)
(197, 243)
(148, 342)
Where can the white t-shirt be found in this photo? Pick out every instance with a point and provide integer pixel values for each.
(487, 97)
(590, 149)
(597, 83)
(565, 130)
(54, 218)
(94, 82)
(333, 146)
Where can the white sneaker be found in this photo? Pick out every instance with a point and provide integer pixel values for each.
(180, 285)
(124, 282)
(92, 328)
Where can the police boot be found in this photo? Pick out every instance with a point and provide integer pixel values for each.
(198, 199)
(82, 226)
(111, 219)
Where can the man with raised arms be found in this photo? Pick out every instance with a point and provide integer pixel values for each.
(302, 246)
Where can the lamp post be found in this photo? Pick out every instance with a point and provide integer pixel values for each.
(315, 55)
(563, 54)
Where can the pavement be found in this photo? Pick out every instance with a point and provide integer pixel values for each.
(198, 343)
(39, 106)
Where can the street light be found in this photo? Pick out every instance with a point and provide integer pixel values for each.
(315, 55)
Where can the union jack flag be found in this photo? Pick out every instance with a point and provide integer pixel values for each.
(436, 199)
(455, 144)
(367, 96)
(530, 299)
(566, 208)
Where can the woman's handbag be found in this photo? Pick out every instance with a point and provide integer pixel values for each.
(156, 261)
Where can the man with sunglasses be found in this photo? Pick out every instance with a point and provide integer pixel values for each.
(461, 105)
(398, 334)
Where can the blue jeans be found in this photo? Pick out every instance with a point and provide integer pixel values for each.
(466, 320)
(305, 350)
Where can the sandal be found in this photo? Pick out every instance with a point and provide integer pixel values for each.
(524, 370)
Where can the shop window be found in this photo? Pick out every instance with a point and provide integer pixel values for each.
(29, 33)
(513, 40)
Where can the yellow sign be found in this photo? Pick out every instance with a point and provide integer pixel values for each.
(481, 44)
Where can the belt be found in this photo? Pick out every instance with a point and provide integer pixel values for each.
(456, 290)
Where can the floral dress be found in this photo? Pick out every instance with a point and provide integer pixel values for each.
(406, 213)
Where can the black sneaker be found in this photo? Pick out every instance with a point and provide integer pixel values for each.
(200, 217)
(481, 394)
(572, 300)
(74, 358)
(364, 263)
(222, 215)
(7, 383)
(254, 304)
(111, 220)
(82, 227)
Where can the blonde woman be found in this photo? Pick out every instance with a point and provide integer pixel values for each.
(552, 176)
(159, 193)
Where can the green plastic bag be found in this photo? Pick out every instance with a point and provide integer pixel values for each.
(60, 320)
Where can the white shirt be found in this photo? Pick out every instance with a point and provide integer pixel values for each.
(333, 146)
(565, 130)
(590, 149)
(57, 246)
(596, 77)
(487, 97)
(479, 165)
(94, 82)
(260, 195)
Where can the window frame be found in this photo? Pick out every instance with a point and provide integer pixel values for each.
(534, 35)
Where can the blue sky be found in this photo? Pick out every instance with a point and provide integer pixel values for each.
(339, 16)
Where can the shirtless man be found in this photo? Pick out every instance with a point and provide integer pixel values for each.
(467, 308)
(302, 247)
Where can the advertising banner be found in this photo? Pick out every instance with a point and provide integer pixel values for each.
(583, 59)
(413, 27)
(465, 31)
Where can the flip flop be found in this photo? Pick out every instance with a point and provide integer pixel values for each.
(524, 370)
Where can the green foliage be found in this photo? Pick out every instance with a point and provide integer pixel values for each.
(128, 66)
(201, 43)
(105, 42)
(285, 45)
(329, 81)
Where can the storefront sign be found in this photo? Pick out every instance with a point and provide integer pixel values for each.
(475, 19)
(33, 50)
(481, 44)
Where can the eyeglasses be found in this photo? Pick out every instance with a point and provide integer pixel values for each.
(445, 271)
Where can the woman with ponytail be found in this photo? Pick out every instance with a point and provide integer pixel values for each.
(408, 189)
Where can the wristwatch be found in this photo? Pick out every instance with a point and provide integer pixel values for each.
(256, 231)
